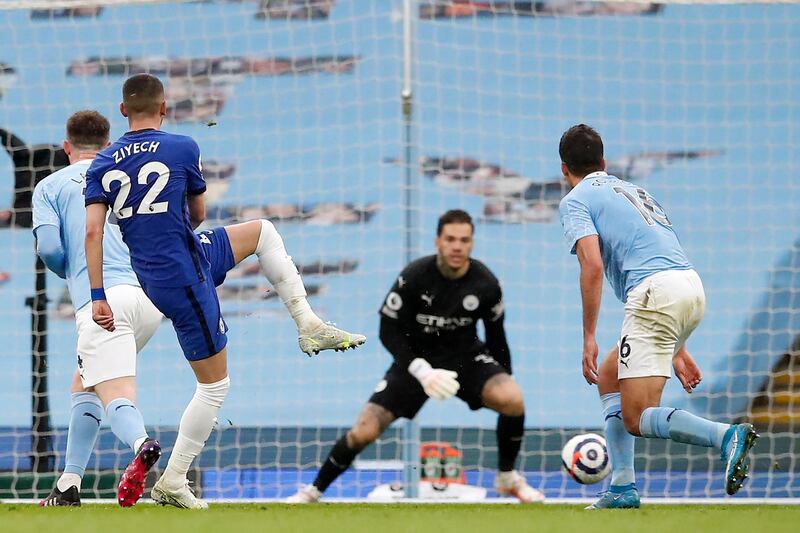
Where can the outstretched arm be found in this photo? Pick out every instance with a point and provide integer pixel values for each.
(51, 250)
(95, 223)
(591, 280)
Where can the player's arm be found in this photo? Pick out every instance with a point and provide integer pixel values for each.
(47, 230)
(397, 315)
(195, 186)
(493, 318)
(97, 202)
(197, 209)
(591, 281)
(95, 223)
(583, 240)
(51, 250)
(396, 334)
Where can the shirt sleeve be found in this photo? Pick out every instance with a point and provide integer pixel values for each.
(576, 221)
(493, 316)
(195, 183)
(44, 208)
(397, 316)
(94, 192)
(50, 248)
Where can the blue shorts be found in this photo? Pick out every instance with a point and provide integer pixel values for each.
(217, 248)
(198, 304)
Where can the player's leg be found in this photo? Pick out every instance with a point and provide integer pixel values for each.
(201, 332)
(397, 395)
(84, 425)
(622, 492)
(110, 365)
(484, 383)
(260, 237)
(372, 422)
(674, 306)
(643, 416)
(195, 427)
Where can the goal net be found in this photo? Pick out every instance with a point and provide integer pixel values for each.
(296, 105)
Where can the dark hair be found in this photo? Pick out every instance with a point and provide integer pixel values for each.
(88, 129)
(454, 216)
(581, 149)
(142, 94)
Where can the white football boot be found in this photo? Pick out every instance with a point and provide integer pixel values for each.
(326, 336)
(306, 494)
(183, 497)
(514, 484)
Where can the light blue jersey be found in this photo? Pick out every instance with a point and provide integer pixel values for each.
(58, 201)
(636, 237)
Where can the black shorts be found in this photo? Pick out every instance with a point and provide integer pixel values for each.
(400, 393)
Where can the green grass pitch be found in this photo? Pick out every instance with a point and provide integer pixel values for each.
(372, 518)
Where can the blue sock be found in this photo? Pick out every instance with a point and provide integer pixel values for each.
(126, 422)
(681, 426)
(84, 425)
(620, 444)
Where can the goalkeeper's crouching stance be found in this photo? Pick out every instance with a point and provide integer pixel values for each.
(428, 324)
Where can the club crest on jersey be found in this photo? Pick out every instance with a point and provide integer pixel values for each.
(470, 302)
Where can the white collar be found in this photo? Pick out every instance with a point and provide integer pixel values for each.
(83, 161)
(598, 174)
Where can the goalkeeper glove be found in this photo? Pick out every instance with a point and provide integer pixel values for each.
(438, 383)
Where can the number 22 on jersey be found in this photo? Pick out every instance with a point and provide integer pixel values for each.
(148, 206)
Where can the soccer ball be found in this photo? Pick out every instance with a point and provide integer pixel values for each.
(585, 458)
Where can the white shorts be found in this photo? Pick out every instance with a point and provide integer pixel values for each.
(104, 355)
(660, 314)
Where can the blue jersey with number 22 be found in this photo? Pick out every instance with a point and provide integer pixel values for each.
(145, 177)
(636, 237)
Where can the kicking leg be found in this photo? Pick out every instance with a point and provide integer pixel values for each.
(260, 237)
(195, 427)
(643, 416)
(372, 422)
(84, 425)
(502, 394)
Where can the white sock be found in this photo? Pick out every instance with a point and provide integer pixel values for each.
(68, 480)
(138, 444)
(278, 267)
(196, 424)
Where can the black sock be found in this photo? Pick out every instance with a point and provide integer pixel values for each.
(510, 430)
(338, 461)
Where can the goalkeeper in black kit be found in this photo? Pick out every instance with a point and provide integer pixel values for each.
(428, 323)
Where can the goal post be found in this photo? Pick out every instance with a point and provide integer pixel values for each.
(353, 124)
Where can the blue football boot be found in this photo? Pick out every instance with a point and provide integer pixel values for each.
(737, 444)
(628, 499)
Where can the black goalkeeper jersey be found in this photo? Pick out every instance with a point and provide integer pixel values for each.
(428, 315)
